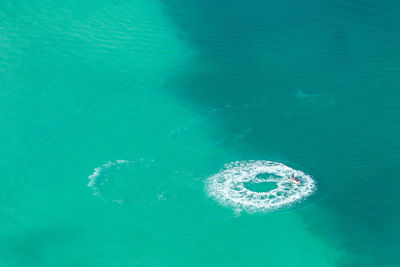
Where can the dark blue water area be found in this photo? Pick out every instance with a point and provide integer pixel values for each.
(313, 83)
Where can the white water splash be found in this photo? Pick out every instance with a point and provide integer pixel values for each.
(228, 186)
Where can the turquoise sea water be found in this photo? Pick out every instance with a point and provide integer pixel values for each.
(113, 115)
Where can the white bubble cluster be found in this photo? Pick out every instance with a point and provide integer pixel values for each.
(229, 185)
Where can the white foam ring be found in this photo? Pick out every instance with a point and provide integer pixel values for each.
(228, 186)
(98, 171)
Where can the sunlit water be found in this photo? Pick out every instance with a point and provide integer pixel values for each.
(163, 133)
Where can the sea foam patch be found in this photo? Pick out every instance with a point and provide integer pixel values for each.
(232, 186)
(126, 182)
(97, 181)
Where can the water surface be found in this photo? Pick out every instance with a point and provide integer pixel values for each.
(177, 89)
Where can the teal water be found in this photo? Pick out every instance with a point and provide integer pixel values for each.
(176, 89)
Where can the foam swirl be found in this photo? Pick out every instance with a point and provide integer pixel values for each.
(127, 182)
(93, 178)
(229, 186)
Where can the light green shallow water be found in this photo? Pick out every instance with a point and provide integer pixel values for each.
(178, 89)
